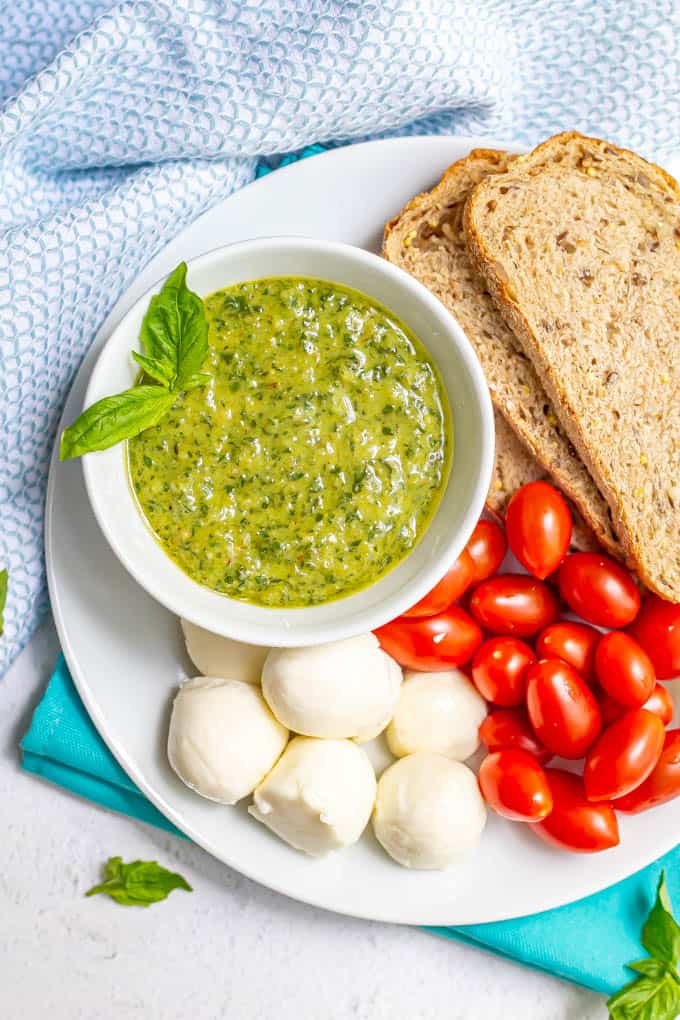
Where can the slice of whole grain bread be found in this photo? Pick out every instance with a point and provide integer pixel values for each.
(427, 240)
(514, 467)
(579, 243)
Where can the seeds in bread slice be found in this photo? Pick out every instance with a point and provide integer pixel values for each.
(579, 244)
(427, 240)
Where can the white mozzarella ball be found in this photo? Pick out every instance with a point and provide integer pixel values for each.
(319, 796)
(213, 655)
(428, 811)
(223, 739)
(438, 712)
(340, 689)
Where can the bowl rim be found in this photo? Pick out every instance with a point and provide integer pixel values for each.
(271, 629)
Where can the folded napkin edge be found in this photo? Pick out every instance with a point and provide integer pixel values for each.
(102, 793)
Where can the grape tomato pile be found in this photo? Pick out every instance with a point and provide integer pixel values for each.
(555, 687)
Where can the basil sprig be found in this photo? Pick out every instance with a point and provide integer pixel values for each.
(3, 598)
(138, 884)
(655, 995)
(174, 336)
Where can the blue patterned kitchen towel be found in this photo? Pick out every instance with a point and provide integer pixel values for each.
(120, 123)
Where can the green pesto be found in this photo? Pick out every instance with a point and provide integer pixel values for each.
(314, 460)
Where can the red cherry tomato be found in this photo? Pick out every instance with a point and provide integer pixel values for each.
(623, 755)
(657, 629)
(624, 669)
(573, 643)
(510, 727)
(658, 703)
(538, 525)
(599, 589)
(663, 782)
(499, 670)
(487, 547)
(515, 786)
(610, 710)
(514, 604)
(434, 643)
(453, 584)
(574, 823)
(562, 708)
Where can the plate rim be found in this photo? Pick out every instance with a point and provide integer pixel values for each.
(122, 304)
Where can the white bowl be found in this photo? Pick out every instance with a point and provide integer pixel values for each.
(129, 535)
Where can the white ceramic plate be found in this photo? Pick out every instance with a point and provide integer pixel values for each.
(124, 649)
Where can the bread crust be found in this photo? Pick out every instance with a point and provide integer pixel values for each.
(514, 450)
(651, 564)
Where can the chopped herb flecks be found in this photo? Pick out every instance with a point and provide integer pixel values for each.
(315, 458)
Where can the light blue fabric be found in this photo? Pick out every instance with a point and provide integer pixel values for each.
(121, 123)
(63, 746)
(587, 942)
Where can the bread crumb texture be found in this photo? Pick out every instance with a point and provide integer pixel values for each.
(579, 245)
(428, 241)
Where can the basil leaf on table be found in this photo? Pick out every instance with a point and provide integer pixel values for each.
(650, 968)
(661, 932)
(175, 330)
(656, 994)
(174, 335)
(139, 883)
(647, 999)
(3, 597)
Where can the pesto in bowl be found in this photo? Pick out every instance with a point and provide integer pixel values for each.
(314, 460)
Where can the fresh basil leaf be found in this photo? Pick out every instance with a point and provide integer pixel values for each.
(194, 341)
(174, 334)
(139, 883)
(160, 329)
(661, 932)
(646, 999)
(175, 328)
(155, 369)
(655, 995)
(651, 968)
(112, 868)
(147, 880)
(4, 577)
(113, 419)
(200, 379)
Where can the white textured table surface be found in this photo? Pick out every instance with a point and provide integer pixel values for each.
(230, 950)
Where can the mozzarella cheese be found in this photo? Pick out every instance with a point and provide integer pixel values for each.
(223, 739)
(438, 712)
(213, 655)
(429, 811)
(340, 689)
(319, 796)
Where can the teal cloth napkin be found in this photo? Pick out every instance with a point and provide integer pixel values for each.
(587, 942)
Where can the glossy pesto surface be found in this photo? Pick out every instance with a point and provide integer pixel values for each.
(313, 461)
